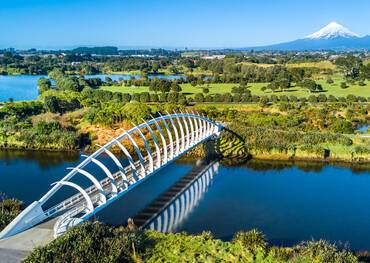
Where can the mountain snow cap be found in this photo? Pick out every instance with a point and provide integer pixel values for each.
(332, 30)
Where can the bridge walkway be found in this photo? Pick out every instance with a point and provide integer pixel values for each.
(17, 247)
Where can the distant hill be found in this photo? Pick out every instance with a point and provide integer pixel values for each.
(331, 37)
(96, 50)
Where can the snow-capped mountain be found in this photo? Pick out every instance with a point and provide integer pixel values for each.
(332, 30)
(331, 37)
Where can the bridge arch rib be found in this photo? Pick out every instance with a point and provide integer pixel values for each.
(189, 130)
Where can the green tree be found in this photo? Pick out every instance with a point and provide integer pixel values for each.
(343, 85)
(172, 97)
(175, 87)
(310, 85)
(52, 104)
(349, 65)
(199, 97)
(136, 111)
(144, 97)
(341, 126)
(43, 84)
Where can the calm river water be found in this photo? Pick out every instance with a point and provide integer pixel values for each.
(288, 202)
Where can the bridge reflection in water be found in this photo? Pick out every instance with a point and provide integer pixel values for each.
(169, 210)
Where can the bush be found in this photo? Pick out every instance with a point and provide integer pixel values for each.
(227, 97)
(343, 85)
(361, 83)
(253, 240)
(322, 98)
(172, 97)
(323, 251)
(341, 126)
(126, 97)
(332, 98)
(91, 242)
(9, 209)
(236, 98)
(199, 97)
(312, 99)
(154, 97)
(144, 97)
(208, 98)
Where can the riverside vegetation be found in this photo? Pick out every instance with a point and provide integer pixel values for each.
(73, 120)
(95, 242)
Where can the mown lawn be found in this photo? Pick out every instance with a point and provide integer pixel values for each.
(329, 89)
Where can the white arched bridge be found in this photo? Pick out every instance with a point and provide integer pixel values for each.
(163, 139)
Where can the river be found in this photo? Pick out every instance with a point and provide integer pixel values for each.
(289, 202)
(24, 87)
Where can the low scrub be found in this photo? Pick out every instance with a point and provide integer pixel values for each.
(9, 209)
(95, 242)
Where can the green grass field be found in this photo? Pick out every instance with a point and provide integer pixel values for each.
(329, 89)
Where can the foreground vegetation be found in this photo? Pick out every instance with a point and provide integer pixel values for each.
(95, 242)
(9, 209)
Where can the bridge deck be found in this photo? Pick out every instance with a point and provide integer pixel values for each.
(17, 247)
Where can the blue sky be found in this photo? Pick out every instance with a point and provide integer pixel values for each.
(172, 23)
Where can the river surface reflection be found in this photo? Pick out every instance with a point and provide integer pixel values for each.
(289, 202)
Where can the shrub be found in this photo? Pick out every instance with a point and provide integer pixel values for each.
(253, 240)
(154, 97)
(208, 98)
(126, 97)
(9, 209)
(199, 97)
(323, 251)
(172, 97)
(227, 97)
(236, 98)
(332, 98)
(343, 85)
(341, 126)
(312, 99)
(135, 97)
(264, 100)
(91, 242)
(361, 83)
(322, 98)
(217, 97)
(205, 90)
(144, 97)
